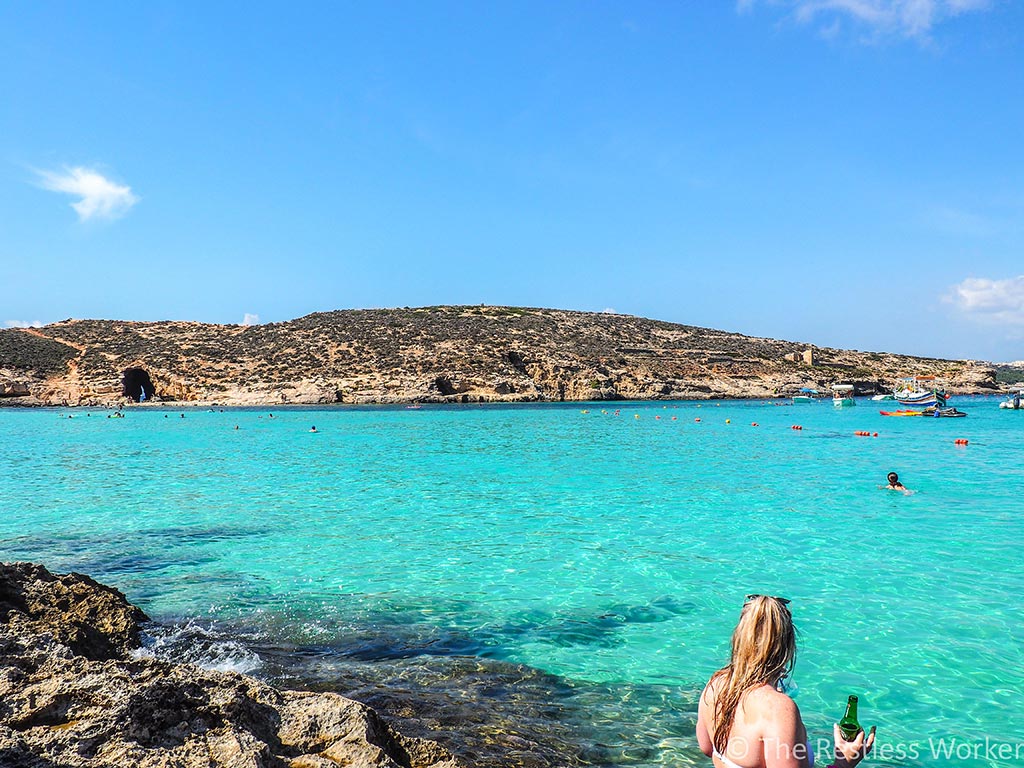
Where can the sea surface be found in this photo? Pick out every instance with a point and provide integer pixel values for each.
(553, 584)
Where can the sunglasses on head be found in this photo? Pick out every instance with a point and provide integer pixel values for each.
(783, 600)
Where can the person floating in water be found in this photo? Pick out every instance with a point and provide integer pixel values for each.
(743, 716)
(312, 429)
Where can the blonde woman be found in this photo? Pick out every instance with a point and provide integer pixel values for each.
(743, 719)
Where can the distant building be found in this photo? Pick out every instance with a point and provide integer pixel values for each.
(806, 357)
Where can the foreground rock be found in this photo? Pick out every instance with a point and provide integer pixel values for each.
(71, 694)
(436, 354)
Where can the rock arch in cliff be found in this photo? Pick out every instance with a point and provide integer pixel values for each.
(137, 385)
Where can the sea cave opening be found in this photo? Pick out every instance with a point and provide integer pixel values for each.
(137, 385)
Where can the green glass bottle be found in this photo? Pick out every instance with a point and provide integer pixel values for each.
(849, 726)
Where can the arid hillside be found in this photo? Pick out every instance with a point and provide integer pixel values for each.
(432, 354)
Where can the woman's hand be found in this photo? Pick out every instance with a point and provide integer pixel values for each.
(849, 753)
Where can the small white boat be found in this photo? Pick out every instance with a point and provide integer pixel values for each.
(882, 397)
(807, 395)
(842, 394)
(1013, 402)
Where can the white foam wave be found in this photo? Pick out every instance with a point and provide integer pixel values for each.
(193, 643)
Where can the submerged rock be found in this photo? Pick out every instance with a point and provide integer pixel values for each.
(72, 694)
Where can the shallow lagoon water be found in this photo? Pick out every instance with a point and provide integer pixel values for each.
(608, 553)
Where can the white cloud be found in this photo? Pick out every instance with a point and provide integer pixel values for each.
(101, 198)
(22, 324)
(906, 18)
(251, 318)
(993, 301)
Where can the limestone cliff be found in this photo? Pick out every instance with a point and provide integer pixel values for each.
(433, 354)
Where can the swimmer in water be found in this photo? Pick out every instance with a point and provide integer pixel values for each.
(895, 484)
(312, 429)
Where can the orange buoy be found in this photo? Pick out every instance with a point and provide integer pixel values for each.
(960, 441)
(875, 434)
(753, 423)
(657, 418)
(674, 418)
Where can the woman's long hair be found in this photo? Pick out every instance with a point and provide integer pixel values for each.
(763, 651)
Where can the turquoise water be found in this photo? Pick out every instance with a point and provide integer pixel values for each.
(610, 551)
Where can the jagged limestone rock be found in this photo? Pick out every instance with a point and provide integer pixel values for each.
(72, 695)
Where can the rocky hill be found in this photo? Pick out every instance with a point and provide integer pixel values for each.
(432, 354)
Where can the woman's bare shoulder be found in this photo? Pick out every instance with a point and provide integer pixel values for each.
(771, 704)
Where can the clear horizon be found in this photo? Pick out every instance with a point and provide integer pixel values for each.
(842, 174)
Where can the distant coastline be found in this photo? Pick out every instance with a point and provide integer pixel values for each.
(449, 354)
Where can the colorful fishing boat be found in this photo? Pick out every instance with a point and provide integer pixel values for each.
(915, 391)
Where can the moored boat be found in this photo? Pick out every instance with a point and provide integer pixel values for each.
(807, 395)
(933, 412)
(842, 394)
(915, 391)
(1013, 402)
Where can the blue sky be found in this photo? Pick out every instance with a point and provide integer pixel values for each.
(845, 172)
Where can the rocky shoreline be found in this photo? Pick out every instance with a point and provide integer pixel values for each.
(447, 354)
(74, 691)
